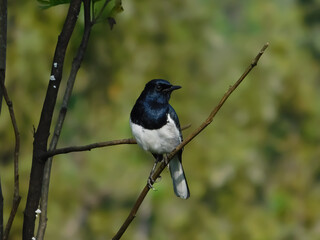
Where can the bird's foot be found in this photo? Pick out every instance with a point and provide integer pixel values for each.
(150, 183)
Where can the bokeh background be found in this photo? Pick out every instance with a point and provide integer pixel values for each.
(255, 171)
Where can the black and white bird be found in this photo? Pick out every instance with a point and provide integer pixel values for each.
(155, 125)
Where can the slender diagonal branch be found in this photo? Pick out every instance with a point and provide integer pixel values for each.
(162, 166)
(16, 196)
(95, 19)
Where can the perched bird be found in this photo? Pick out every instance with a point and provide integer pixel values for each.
(155, 125)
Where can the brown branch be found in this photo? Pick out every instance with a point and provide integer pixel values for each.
(3, 58)
(16, 196)
(89, 147)
(3, 42)
(159, 170)
(185, 127)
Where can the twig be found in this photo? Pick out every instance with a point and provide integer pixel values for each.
(185, 127)
(3, 42)
(95, 20)
(89, 147)
(63, 111)
(16, 196)
(159, 170)
(3, 52)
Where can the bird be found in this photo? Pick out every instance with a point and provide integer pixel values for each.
(156, 128)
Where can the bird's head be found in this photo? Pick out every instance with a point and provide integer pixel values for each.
(159, 90)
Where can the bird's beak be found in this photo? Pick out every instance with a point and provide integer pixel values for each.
(172, 88)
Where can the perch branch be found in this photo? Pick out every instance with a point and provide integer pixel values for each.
(16, 196)
(159, 170)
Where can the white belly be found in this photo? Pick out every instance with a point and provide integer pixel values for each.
(159, 141)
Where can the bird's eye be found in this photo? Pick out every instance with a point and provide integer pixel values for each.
(158, 87)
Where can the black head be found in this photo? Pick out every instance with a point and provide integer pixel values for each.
(159, 89)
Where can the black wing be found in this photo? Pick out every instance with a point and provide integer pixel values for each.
(175, 118)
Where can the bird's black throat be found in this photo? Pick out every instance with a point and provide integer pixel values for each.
(149, 115)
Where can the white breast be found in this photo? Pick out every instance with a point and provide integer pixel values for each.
(160, 141)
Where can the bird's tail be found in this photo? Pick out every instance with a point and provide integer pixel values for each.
(180, 185)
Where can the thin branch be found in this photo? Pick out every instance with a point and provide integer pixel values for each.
(63, 111)
(89, 146)
(3, 93)
(3, 42)
(16, 196)
(159, 170)
(92, 11)
(185, 127)
(95, 20)
(3, 52)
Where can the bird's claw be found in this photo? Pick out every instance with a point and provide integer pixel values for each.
(150, 183)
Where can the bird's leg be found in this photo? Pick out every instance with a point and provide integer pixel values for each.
(150, 180)
(165, 159)
(158, 159)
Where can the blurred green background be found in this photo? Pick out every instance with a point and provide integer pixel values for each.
(255, 171)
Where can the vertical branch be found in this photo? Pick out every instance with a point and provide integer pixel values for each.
(3, 43)
(3, 93)
(63, 111)
(3, 50)
(16, 196)
(42, 133)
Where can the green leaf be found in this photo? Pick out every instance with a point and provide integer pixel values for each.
(116, 8)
